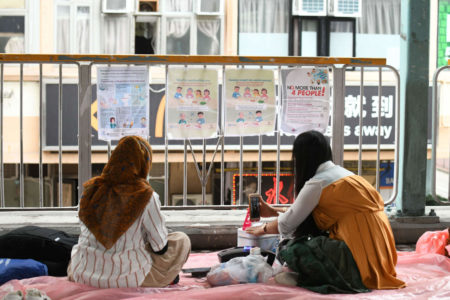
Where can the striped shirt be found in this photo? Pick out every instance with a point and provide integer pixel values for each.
(127, 263)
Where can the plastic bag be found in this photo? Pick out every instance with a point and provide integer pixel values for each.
(433, 242)
(247, 269)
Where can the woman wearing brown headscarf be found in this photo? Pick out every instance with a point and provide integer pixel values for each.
(124, 240)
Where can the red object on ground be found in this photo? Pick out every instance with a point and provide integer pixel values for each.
(433, 242)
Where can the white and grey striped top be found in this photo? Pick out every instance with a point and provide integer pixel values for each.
(127, 263)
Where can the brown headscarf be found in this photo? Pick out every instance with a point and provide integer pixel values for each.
(112, 201)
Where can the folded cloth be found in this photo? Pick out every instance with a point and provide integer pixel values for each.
(20, 269)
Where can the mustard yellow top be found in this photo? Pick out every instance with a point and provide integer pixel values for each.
(351, 209)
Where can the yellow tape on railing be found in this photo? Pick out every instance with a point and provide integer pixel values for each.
(191, 59)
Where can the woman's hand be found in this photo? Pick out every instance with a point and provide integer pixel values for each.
(265, 210)
(256, 230)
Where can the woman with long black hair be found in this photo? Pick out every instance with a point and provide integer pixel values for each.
(344, 207)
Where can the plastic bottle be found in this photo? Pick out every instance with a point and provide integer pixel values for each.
(255, 251)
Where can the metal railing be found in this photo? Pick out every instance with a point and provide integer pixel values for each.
(435, 133)
(83, 63)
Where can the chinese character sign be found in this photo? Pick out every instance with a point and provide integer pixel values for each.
(192, 97)
(305, 100)
(249, 102)
(268, 188)
(123, 102)
(372, 107)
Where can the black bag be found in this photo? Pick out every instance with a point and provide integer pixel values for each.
(48, 246)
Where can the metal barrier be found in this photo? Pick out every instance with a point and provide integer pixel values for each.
(435, 133)
(84, 64)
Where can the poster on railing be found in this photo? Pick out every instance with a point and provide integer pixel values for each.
(123, 102)
(249, 102)
(192, 103)
(305, 102)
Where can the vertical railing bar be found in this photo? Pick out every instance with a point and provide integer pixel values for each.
(41, 171)
(338, 116)
(241, 167)
(259, 158)
(60, 179)
(222, 156)
(361, 103)
(166, 144)
(448, 190)
(377, 180)
(204, 179)
(185, 174)
(277, 184)
(21, 172)
(2, 173)
(435, 134)
(259, 162)
(396, 138)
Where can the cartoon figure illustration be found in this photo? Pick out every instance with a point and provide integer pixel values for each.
(241, 118)
(178, 94)
(258, 116)
(264, 95)
(127, 124)
(256, 95)
(182, 119)
(320, 77)
(190, 93)
(198, 95)
(143, 122)
(247, 93)
(112, 122)
(236, 94)
(206, 96)
(201, 119)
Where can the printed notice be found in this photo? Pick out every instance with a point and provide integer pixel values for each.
(123, 102)
(249, 102)
(305, 101)
(192, 103)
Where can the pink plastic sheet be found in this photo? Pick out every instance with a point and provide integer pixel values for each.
(427, 277)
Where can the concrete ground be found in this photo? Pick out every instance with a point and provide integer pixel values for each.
(216, 229)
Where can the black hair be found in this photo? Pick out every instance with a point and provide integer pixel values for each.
(258, 111)
(310, 149)
(200, 112)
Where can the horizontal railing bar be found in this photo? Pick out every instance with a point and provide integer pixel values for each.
(74, 208)
(190, 59)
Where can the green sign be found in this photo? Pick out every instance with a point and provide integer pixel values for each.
(444, 33)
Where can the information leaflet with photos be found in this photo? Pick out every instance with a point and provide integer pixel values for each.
(192, 103)
(123, 102)
(305, 103)
(249, 102)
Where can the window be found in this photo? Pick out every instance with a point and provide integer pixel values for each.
(262, 23)
(73, 26)
(116, 34)
(179, 27)
(12, 26)
(378, 26)
(323, 36)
